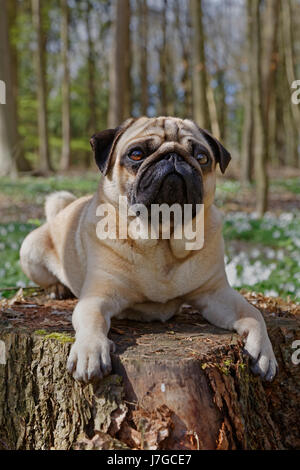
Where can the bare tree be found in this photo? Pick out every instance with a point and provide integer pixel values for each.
(213, 112)
(8, 131)
(119, 97)
(143, 63)
(163, 63)
(199, 73)
(44, 158)
(248, 130)
(21, 161)
(260, 141)
(66, 124)
(183, 30)
(92, 119)
(292, 112)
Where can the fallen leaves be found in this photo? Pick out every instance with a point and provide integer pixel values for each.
(18, 298)
(272, 305)
(147, 430)
(100, 441)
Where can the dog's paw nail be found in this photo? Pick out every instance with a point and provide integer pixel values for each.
(95, 376)
(245, 352)
(71, 366)
(79, 378)
(106, 369)
(273, 370)
(257, 370)
(251, 356)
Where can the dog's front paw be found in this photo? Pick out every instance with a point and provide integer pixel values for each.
(259, 348)
(89, 359)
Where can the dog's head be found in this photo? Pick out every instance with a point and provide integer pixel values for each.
(159, 160)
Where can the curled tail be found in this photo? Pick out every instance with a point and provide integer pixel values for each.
(56, 202)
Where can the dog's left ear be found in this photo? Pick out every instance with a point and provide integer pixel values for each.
(222, 156)
(101, 144)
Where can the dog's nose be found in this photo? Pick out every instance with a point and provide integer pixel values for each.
(173, 157)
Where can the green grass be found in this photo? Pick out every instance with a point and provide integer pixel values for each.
(290, 184)
(35, 189)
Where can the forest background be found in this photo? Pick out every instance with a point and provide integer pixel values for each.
(72, 68)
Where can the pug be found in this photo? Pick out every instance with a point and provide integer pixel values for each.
(162, 160)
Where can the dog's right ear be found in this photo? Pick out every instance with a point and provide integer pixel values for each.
(102, 144)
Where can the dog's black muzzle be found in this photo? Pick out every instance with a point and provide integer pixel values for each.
(169, 179)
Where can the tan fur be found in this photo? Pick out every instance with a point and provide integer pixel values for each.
(145, 279)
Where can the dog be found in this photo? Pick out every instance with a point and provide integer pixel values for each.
(149, 161)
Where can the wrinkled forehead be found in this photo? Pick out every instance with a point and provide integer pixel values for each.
(161, 129)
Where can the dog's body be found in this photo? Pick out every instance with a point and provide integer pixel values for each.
(142, 279)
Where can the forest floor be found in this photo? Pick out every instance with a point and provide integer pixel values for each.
(262, 255)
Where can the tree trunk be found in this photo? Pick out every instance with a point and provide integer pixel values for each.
(279, 147)
(21, 161)
(179, 385)
(213, 112)
(221, 102)
(287, 26)
(270, 54)
(163, 60)
(119, 93)
(291, 75)
(44, 158)
(143, 63)
(248, 130)
(184, 31)
(199, 73)
(8, 130)
(66, 124)
(92, 121)
(260, 129)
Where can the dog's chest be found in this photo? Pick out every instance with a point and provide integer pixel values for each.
(165, 278)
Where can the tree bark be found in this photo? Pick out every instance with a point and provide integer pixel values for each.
(8, 131)
(21, 161)
(66, 123)
(44, 157)
(119, 93)
(287, 26)
(199, 73)
(143, 62)
(180, 385)
(163, 59)
(270, 54)
(184, 31)
(248, 129)
(213, 112)
(92, 121)
(260, 130)
(288, 56)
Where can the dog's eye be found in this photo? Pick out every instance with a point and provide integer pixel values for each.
(202, 158)
(136, 154)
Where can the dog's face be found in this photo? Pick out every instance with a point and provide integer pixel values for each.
(159, 160)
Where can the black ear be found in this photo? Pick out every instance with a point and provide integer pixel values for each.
(222, 156)
(101, 144)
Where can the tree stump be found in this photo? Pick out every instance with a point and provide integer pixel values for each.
(180, 385)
